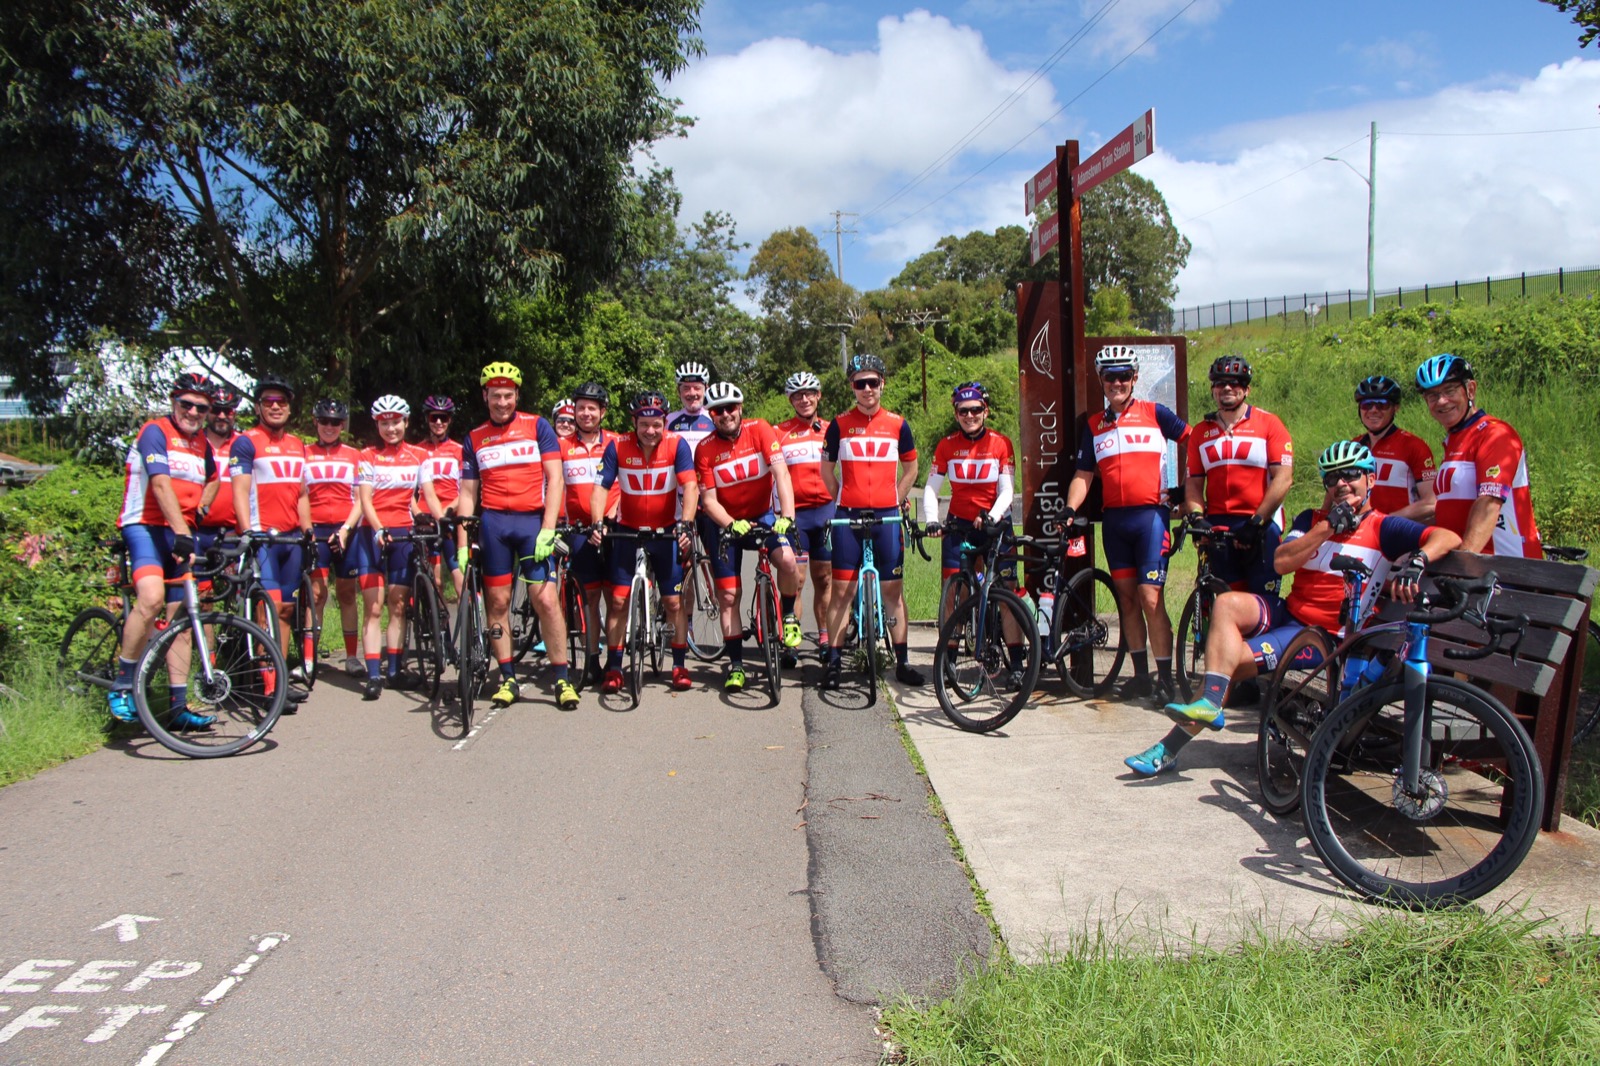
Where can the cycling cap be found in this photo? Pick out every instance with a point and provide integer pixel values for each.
(801, 382)
(649, 405)
(1116, 357)
(331, 409)
(390, 406)
(500, 374)
(969, 391)
(1442, 369)
(224, 398)
(562, 407)
(192, 381)
(1378, 387)
(693, 372)
(1231, 368)
(592, 390)
(723, 394)
(439, 403)
(273, 383)
(864, 361)
(1343, 455)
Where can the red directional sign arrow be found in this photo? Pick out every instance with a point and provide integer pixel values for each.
(1039, 187)
(1120, 153)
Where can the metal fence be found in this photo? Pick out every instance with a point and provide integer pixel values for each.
(1308, 309)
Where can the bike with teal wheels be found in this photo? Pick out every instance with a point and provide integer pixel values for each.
(872, 626)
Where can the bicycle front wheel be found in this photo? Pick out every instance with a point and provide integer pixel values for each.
(702, 616)
(204, 717)
(770, 632)
(983, 689)
(868, 624)
(641, 641)
(307, 632)
(472, 653)
(522, 619)
(1189, 644)
(572, 606)
(424, 639)
(1295, 702)
(956, 590)
(1472, 820)
(1088, 643)
(88, 658)
(1589, 693)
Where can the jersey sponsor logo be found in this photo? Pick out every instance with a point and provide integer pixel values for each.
(808, 451)
(512, 453)
(337, 472)
(444, 468)
(1138, 438)
(646, 482)
(736, 470)
(1493, 471)
(581, 471)
(276, 470)
(1231, 452)
(971, 471)
(871, 451)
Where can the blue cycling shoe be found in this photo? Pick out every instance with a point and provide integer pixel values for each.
(120, 700)
(1203, 711)
(1152, 760)
(189, 722)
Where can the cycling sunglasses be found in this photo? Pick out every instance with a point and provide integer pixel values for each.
(1349, 477)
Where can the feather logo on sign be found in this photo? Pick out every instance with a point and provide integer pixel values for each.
(1039, 352)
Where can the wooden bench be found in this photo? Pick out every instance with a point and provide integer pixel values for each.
(1542, 684)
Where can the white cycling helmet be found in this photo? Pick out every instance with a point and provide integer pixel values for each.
(1116, 357)
(723, 394)
(389, 406)
(801, 382)
(694, 372)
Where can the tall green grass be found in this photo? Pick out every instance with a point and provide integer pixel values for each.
(45, 724)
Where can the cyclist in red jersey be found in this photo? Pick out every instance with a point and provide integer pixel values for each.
(801, 438)
(511, 471)
(862, 451)
(1482, 488)
(332, 470)
(1125, 446)
(170, 469)
(562, 417)
(444, 463)
(1241, 466)
(1248, 631)
(651, 466)
(1405, 462)
(215, 519)
(269, 495)
(581, 455)
(740, 470)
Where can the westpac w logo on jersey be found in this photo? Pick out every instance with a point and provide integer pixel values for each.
(1231, 451)
(869, 450)
(646, 482)
(445, 468)
(337, 473)
(277, 469)
(745, 468)
(975, 471)
(512, 453)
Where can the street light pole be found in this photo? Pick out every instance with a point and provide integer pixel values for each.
(1371, 178)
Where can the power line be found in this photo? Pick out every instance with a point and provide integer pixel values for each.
(1496, 133)
(1275, 181)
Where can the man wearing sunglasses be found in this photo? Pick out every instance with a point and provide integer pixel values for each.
(1248, 630)
(170, 467)
(1482, 485)
(216, 519)
(1125, 446)
(581, 455)
(332, 471)
(444, 463)
(869, 462)
(1405, 462)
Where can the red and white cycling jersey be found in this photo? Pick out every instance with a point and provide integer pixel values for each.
(1237, 462)
(801, 441)
(869, 451)
(740, 470)
(221, 515)
(331, 472)
(1404, 462)
(580, 468)
(1484, 457)
(1128, 452)
(444, 464)
(649, 482)
(276, 466)
(1318, 591)
(973, 468)
(395, 473)
(508, 462)
(162, 448)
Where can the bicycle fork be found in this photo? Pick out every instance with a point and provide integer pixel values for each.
(1417, 669)
(191, 606)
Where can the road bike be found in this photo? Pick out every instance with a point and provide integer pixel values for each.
(648, 634)
(873, 631)
(469, 637)
(87, 658)
(765, 623)
(979, 685)
(574, 607)
(1081, 632)
(250, 599)
(702, 615)
(1194, 621)
(427, 629)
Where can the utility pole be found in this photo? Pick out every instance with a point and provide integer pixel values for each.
(1371, 178)
(838, 271)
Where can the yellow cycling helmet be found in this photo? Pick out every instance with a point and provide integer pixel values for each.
(500, 374)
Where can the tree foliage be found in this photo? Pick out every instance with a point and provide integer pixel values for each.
(1585, 15)
(1130, 243)
(805, 306)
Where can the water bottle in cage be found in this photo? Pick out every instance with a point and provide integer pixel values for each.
(1047, 611)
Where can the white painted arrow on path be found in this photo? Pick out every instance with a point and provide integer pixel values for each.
(126, 925)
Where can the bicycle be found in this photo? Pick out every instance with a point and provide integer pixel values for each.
(251, 600)
(1589, 693)
(470, 639)
(646, 630)
(978, 686)
(702, 614)
(425, 636)
(872, 629)
(574, 606)
(89, 648)
(1194, 621)
(1425, 790)
(766, 616)
(1084, 629)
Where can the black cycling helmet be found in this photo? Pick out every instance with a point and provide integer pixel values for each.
(331, 409)
(1378, 388)
(224, 398)
(1231, 368)
(192, 381)
(439, 403)
(273, 382)
(592, 390)
(649, 405)
(862, 362)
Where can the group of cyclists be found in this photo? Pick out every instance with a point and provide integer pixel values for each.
(707, 471)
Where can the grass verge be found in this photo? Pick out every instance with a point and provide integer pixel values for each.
(45, 724)
(1459, 987)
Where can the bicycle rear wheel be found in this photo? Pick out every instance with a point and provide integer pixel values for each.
(956, 590)
(88, 658)
(243, 697)
(702, 616)
(1295, 702)
(980, 690)
(769, 631)
(572, 606)
(424, 636)
(307, 632)
(641, 641)
(472, 651)
(1589, 694)
(1478, 812)
(522, 619)
(1088, 643)
(1189, 643)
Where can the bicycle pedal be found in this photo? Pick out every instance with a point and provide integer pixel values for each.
(496, 632)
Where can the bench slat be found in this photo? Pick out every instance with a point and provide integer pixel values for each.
(1569, 579)
(1524, 675)
(1539, 643)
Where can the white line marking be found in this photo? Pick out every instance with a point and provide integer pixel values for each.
(126, 925)
(185, 1025)
(483, 723)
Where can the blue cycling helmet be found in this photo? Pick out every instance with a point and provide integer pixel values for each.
(1345, 455)
(1378, 388)
(1443, 369)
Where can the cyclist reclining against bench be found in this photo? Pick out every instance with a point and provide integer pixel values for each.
(1247, 630)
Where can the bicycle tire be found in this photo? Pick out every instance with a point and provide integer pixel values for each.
(769, 630)
(1088, 642)
(986, 693)
(1294, 703)
(1584, 728)
(640, 640)
(867, 632)
(88, 657)
(702, 615)
(522, 620)
(578, 656)
(1189, 644)
(472, 655)
(307, 623)
(246, 693)
(423, 644)
(958, 588)
(1464, 837)
(263, 610)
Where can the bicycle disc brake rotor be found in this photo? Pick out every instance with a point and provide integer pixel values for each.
(1435, 793)
(216, 690)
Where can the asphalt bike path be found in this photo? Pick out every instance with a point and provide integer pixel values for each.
(596, 886)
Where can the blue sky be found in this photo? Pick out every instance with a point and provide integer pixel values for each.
(802, 110)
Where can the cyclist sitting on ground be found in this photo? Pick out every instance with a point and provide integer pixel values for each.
(801, 438)
(168, 469)
(740, 470)
(1482, 486)
(979, 464)
(444, 463)
(581, 454)
(511, 468)
(1248, 630)
(269, 495)
(561, 416)
(1405, 462)
(332, 470)
(650, 465)
(1125, 445)
(869, 462)
(392, 475)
